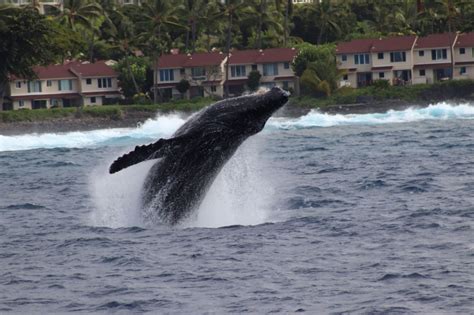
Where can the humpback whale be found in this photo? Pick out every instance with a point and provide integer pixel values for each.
(189, 161)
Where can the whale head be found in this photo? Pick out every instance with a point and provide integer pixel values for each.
(248, 114)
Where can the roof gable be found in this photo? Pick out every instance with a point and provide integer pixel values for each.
(394, 43)
(355, 46)
(465, 40)
(436, 40)
(99, 68)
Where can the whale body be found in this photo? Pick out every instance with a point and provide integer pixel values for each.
(189, 161)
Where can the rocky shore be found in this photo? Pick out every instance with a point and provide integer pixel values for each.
(132, 119)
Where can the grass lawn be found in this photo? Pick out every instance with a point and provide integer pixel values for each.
(107, 111)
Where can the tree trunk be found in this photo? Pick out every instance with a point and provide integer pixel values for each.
(285, 37)
(129, 68)
(258, 43)
(193, 35)
(155, 74)
(229, 38)
(3, 88)
(188, 33)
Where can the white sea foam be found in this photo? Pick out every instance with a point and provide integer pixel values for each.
(165, 125)
(151, 129)
(440, 111)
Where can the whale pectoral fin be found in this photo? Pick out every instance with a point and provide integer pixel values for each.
(140, 154)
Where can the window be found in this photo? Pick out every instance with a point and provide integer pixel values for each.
(182, 71)
(93, 100)
(49, 83)
(213, 88)
(422, 72)
(344, 57)
(270, 69)
(65, 85)
(398, 56)
(198, 72)
(285, 85)
(18, 84)
(254, 67)
(21, 103)
(104, 83)
(437, 54)
(462, 70)
(166, 75)
(88, 81)
(381, 75)
(237, 71)
(380, 55)
(361, 59)
(34, 86)
(345, 77)
(286, 65)
(421, 53)
(462, 51)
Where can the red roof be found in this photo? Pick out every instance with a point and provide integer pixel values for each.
(277, 55)
(190, 60)
(382, 68)
(243, 57)
(71, 69)
(465, 40)
(355, 46)
(101, 93)
(172, 61)
(54, 72)
(435, 40)
(284, 78)
(394, 43)
(97, 69)
(236, 57)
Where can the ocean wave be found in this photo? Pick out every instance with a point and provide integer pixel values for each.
(440, 111)
(163, 126)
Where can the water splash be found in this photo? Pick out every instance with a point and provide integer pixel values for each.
(242, 194)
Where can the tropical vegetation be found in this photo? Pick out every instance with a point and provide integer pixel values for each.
(137, 36)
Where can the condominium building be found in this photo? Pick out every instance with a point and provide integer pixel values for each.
(405, 60)
(43, 6)
(206, 71)
(66, 85)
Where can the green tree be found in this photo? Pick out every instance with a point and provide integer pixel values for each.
(316, 66)
(157, 16)
(26, 42)
(253, 80)
(183, 86)
(132, 75)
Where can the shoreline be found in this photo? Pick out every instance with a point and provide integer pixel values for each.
(133, 119)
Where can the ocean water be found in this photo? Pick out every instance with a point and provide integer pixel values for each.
(323, 214)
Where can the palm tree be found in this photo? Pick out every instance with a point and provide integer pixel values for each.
(211, 21)
(264, 16)
(326, 15)
(231, 11)
(79, 12)
(123, 40)
(157, 15)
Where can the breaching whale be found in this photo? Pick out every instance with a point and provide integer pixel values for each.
(189, 161)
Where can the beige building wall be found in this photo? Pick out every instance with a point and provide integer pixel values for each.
(45, 89)
(350, 63)
(385, 62)
(426, 58)
(26, 105)
(94, 86)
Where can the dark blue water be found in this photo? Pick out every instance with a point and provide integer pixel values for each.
(357, 217)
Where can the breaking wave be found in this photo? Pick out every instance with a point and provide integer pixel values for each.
(163, 126)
